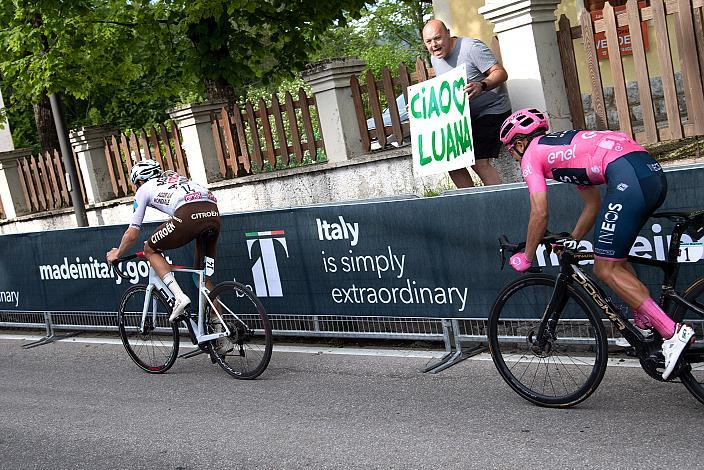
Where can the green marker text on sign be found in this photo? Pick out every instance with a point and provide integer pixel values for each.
(441, 128)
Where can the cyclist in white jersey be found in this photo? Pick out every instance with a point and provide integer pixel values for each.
(193, 210)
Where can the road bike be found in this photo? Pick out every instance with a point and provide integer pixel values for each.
(230, 324)
(546, 333)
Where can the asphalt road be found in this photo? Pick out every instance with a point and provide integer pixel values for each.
(75, 405)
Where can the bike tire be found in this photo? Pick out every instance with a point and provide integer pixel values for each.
(568, 372)
(693, 379)
(156, 349)
(246, 352)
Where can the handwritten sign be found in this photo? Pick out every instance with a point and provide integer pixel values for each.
(441, 129)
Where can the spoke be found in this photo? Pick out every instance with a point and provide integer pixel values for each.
(537, 369)
(548, 378)
(559, 372)
(567, 372)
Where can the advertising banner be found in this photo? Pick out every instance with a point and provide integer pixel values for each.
(441, 129)
(418, 257)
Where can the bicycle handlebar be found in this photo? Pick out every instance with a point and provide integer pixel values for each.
(550, 240)
(118, 269)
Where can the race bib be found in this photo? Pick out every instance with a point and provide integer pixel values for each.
(572, 176)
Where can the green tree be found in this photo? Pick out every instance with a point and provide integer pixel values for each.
(246, 42)
(386, 34)
(121, 61)
(87, 50)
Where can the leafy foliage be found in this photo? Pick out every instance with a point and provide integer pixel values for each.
(126, 62)
(387, 34)
(248, 41)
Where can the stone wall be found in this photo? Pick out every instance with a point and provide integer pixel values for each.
(379, 175)
(634, 104)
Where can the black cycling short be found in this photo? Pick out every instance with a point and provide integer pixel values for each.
(636, 187)
(187, 224)
(485, 135)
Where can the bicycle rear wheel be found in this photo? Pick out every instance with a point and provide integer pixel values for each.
(155, 348)
(570, 364)
(694, 356)
(246, 352)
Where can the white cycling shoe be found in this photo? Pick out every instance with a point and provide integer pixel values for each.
(180, 303)
(672, 348)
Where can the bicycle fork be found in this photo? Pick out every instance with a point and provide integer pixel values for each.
(149, 312)
(541, 341)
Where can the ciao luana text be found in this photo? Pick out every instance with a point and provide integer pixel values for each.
(451, 140)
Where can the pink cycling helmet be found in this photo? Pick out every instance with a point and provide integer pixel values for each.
(523, 122)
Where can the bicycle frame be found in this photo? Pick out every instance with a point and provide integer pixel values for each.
(570, 273)
(195, 329)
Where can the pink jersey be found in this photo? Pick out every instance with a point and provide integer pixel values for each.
(576, 157)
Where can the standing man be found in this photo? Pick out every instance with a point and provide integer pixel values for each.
(488, 102)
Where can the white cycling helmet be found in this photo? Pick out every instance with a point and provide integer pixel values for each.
(145, 170)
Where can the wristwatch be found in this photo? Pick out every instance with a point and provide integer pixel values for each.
(484, 85)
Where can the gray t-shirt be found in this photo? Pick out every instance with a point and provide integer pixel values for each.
(478, 59)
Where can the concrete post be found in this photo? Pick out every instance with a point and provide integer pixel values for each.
(11, 193)
(330, 82)
(197, 139)
(6, 142)
(530, 55)
(89, 145)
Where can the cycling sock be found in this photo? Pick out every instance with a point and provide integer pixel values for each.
(656, 317)
(640, 320)
(173, 286)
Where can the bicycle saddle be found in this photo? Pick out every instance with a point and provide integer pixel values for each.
(693, 219)
(206, 234)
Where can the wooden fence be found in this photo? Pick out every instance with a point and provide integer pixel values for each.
(161, 143)
(369, 98)
(43, 180)
(689, 33)
(247, 142)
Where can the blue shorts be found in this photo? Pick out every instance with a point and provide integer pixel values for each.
(636, 187)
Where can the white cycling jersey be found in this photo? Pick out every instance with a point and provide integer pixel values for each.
(167, 193)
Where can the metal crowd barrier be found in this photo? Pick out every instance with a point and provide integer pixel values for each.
(330, 326)
(454, 333)
(321, 326)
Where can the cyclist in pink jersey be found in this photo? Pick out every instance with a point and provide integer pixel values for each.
(636, 187)
(193, 212)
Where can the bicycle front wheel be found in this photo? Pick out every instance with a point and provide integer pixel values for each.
(153, 343)
(694, 355)
(563, 367)
(246, 351)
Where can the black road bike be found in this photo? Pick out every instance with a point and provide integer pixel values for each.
(547, 336)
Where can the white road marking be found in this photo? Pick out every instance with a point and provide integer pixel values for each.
(377, 352)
